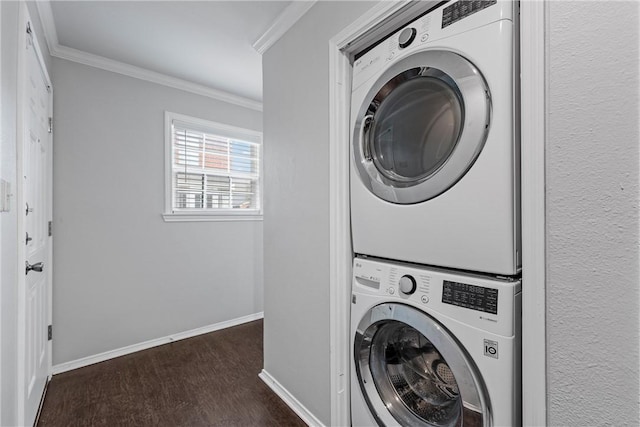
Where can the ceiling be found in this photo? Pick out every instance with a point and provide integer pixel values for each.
(209, 43)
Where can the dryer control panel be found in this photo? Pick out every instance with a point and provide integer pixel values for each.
(461, 9)
(445, 21)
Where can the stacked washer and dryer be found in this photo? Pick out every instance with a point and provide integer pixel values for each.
(435, 216)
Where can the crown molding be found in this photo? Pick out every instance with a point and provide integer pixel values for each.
(59, 51)
(287, 18)
(107, 64)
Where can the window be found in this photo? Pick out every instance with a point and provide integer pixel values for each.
(213, 171)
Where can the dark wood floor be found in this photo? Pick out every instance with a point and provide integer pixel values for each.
(209, 380)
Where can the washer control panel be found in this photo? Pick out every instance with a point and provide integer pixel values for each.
(483, 300)
(473, 297)
(391, 281)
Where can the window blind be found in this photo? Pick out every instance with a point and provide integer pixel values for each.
(212, 172)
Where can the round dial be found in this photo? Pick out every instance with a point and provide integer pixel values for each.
(407, 284)
(406, 37)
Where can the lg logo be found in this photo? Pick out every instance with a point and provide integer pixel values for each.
(491, 348)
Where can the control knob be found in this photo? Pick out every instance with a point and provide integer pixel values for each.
(406, 37)
(407, 284)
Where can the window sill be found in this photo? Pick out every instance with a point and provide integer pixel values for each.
(199, 217)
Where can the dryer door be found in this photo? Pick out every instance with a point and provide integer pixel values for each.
(412, 371)
(421, 126)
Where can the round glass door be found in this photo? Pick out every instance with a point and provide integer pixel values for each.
(413, 372)
(421, 127)
(416, 128)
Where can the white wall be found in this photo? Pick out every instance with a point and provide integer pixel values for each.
(8, 220)
(296, 132)
(592, 213)
(121, 274)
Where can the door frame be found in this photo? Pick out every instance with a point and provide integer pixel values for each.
(24, 18)
(1, 195)
(376, 21)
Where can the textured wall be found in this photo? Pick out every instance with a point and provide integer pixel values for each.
(592, 213)
(121, 274)
(296, 222)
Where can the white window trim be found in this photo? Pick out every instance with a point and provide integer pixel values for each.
(222, 214)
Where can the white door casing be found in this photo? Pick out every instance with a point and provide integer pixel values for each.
(34, 171)
(365, 30)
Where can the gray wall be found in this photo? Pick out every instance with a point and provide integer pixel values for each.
(8, 220)
(296, 131)
(121, 274)
(592, 209)
(592, 213)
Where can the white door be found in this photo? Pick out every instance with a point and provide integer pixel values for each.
(35, 210)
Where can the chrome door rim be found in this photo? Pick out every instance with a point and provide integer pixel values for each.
(472, 390)
(476, 103)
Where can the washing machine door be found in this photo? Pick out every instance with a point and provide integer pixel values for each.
(421, 126)
(413, 372)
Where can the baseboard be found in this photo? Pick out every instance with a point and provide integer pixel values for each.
(292, 402)
(90, 360)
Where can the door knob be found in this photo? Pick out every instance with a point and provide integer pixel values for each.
(38, 266)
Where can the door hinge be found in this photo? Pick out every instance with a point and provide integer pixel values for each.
(50, 229)
(50, 124)
(50, 332)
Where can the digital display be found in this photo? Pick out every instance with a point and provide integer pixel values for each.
(470, 296)
(461, 9)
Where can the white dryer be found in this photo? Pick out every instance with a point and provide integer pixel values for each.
(433, 348)
(435, 141)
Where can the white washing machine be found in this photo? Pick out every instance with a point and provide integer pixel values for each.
(435, 141)
(433, 348)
